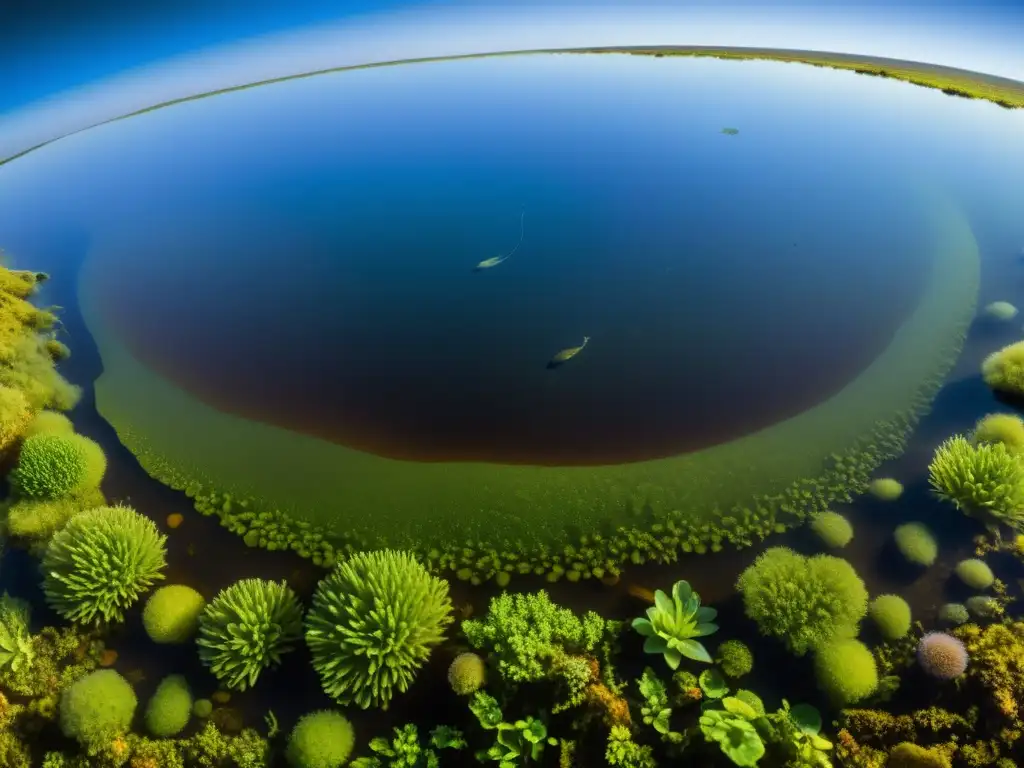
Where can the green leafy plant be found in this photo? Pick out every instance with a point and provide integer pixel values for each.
(797, 731)
(732, 730)
(247, 628)
(101, 563)
(984, 480)
(374, 622)
(622, 751)
(405, 751)
(518, 743)
(672, 623)
(656, 711)
(16, 650)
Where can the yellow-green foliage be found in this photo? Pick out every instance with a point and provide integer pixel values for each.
(38, 520)
(1005, 428)
(16, 650)
(170, 709)
(15, 415)
(54, 465)
(984, 480)
(916, 543)
(886, 489)
(172, 614)
(996, 653)
(805, 602)
(101, 563)
(57, 350)
(846, 671)
(1003, 370)
(892, 616)
(50, 422)
(374, 621)
(734, 658)
(467, 674)
(320, 740)
(909, 755)
(975, 573)
(97, 708)
(833, 529)
(30, 369)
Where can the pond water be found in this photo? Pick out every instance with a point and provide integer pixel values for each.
(300, 257)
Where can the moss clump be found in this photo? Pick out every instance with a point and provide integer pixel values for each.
(49, 423)
(1003, 370)
(36, 521)
(846, 671)
(97, 708)
(985, 480)
(202, 708)
(1005, 428)
(54, 465)
(101, 562)
(467, 674)
(320, 740)
(954, 613)
(170, 709)
(734, 658)
(172, 613)
(833, 529)
(375, 620)
(15, 416)
(908, 755)
(247, 628)
(886, 489)
(806, 602)
(891, 615)
(916, 543)
(975, 573)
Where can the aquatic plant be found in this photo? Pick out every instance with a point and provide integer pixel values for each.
(37, 520)
(734, 734)
(954, 613)
(916, 543)
(1001, 310)
(1003, 370)
(975, 573)
(983, 607)
(172, 614)
(522, 631)
(805, 602)
(54, 465)
(101, 562)
(518, 742)
(622, 751)
(202, 708)
(49, 422)
(909, 755)
(405, 749)
(15, 416)
(942, 656)
(375, 620)
(891, 615)
(671, 625)
(833, 529)
(656, 711)
(467, 674)
(322, 739)
(1005, 428)
(97, 708)
(247, 628)
(846, 671)
(170, 708)
(16, 650)
(734, 658)
(886, 489)
(984, 480)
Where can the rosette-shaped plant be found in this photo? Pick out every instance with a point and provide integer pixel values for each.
(985, 481)
(672, 623)
(101, 562)
(247, 628)
(374, 621)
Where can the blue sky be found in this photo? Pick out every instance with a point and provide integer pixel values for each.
(66, 64)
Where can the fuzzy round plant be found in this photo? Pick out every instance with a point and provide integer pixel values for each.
(52, 465)
(101, 563)
(374, 621)
(247, 628)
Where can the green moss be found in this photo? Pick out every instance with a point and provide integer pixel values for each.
(1003, 370)
(891, 615)
(172, 613)
(320, 740)
(51, 423)
(52, 465)
(975, 573)
(846, 671)
(170, 709)
(916, 543)
(490, 522)
(97, 708)
(467, 674)
(1005, 428)
(833, 529)
(202, 708)
(15, 416)
(886, 489)
(37, 521)
(954, 613)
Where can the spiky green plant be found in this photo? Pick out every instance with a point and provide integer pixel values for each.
(984, 480)
(671, 625)
(16, 652)
(374, 621)
(247, 628)
(101, 562)
(52, 465)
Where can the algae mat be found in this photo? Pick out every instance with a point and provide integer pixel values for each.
(183, 441)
